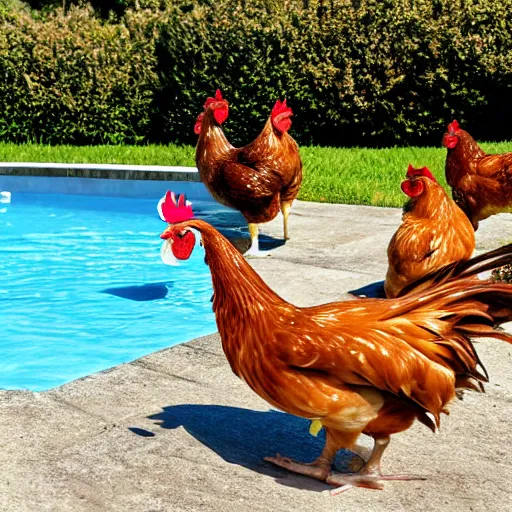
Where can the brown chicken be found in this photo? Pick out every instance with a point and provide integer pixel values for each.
(434, 232)
(259, 179)
(368, 366)
(481, 183)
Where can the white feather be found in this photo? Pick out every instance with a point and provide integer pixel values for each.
(166, 254)
(159, 208)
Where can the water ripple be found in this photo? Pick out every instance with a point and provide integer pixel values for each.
(82, 287)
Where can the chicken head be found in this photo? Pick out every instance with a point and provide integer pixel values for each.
(450, 138)
(413, 186)
(219, 107)
(280, 116)
(179, 243)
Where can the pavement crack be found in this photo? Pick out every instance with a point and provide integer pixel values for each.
(68, 403)
(327, 267)
(149, 367)
(204, 351)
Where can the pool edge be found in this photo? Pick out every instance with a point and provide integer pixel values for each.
(103, 171)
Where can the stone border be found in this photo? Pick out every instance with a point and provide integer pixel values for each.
(102, 171)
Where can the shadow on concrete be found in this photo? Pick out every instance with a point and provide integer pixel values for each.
(244, 437)
(233, 226)
(140, 293)
(371, 291)
(243, 243)
(142, 432)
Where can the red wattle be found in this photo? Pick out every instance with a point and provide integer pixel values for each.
(450, 141)
(182, 246)
(412, 188)
(221, 114)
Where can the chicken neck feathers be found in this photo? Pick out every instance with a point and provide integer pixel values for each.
(417, 347)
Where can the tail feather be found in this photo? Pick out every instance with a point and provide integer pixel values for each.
(462, 299)
(459, 286)
(487, 261)
(458, 307)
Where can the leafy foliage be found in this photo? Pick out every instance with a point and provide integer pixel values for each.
(356, 72)
(374, 72)
(74, 78)
(104, 7)
(503, 274)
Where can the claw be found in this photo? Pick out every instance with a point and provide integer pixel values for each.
(344, 482)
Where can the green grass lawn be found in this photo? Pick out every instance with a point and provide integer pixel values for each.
(136, 155)
(333, 175)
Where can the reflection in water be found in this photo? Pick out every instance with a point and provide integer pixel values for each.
(144, 292)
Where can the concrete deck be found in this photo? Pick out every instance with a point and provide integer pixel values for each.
(177, 431)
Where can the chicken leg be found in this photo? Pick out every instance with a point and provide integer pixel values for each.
(254, 249)
(321, 467)
(369, 476)
(285, 208)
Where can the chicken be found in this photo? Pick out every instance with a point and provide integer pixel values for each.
(481, 183)
(259, 179)
(434, 232)
(368, 366)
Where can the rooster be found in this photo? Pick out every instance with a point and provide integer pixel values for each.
(259, 179)
(481, 183)
(434, 232)
(368, 366)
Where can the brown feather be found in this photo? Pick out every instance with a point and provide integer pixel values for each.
(434, 233)
(368, 365)
(481, 183)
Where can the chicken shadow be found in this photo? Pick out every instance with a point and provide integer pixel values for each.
(370, 291)
(242, 243)
(244, 437)
(140, 293)
(233, 226)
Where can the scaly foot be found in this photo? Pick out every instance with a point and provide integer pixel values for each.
(345, 481)
(256, 253)
(254, 249)
(320, 471)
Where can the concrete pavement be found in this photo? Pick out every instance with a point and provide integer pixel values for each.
(177, 431)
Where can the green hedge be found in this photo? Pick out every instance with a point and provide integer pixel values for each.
(384, 73)
(74, 78)
(368, 72)
(104, 7)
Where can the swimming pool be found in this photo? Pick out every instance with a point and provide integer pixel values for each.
(82, 286)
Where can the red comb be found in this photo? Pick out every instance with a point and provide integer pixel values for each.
(453, 127)
(281, 108)
(423, 171)
(173, 211)
(210, 100)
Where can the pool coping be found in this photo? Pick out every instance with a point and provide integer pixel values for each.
(102, 171)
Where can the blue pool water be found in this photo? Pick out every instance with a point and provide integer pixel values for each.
(82, 286)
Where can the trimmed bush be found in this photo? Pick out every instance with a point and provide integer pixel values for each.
(74, 78)
(368, 72)
(382, 73)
